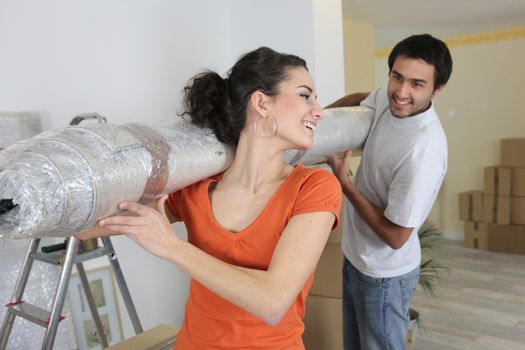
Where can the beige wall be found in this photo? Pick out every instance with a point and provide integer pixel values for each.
(359, 63)
(359, 56)
(480, 105)
(485, 90)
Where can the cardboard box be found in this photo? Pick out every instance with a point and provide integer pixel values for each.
(476, 235)
(496, 209)
(506, 239)
(518, 211)
(498, 181)
(512, 152)
(518, 182)
(328, 278)
(471, 206)
(336, 236)
(323, 323)
(161, 337)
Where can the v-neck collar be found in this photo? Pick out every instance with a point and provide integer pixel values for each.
(245, 230)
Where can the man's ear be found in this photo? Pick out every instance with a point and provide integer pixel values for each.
(260, 102)
(438, 90)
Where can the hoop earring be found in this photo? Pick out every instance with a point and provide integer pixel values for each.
(274, 131)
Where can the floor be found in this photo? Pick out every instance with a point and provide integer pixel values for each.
(480, 303)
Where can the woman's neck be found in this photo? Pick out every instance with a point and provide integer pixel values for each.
(255, 165)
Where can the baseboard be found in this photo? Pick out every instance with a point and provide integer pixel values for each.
(453, 235)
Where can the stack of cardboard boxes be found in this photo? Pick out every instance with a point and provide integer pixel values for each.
(495, 217)
(323, 319)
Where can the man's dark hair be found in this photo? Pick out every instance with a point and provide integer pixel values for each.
(431, 50)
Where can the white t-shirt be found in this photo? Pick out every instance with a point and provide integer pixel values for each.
(403, 164)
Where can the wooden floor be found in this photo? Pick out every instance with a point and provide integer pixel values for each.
(480, 303)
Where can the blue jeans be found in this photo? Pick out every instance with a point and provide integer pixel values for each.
(375, 310)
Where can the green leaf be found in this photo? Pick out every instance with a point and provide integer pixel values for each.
(431, 269)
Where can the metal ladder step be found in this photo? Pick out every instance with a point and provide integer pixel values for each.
(57, 257)
(31, 313)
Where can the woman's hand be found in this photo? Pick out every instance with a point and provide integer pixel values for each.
(149, 227)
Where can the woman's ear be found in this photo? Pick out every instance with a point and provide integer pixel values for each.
(260, 103)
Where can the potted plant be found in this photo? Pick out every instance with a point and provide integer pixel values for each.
(430, 275)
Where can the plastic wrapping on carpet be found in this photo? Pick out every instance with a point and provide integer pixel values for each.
(40, 289)
(61, 182)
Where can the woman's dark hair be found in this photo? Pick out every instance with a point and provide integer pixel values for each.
(220, 104)
(431, 50)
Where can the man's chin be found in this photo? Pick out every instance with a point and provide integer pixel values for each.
(399, 114)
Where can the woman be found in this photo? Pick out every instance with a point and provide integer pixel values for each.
(256, 231)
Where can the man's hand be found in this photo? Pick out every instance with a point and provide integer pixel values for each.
(340, 164)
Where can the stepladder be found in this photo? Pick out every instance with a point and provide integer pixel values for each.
(72, 255)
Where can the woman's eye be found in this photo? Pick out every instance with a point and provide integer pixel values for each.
(305, 96)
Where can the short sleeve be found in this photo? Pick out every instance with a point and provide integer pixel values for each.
(173, 202)
(413, 192)
(320, 191)
(371, 100)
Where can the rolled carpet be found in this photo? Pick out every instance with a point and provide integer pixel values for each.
(61, 182)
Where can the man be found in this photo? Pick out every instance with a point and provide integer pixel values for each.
(403, 164)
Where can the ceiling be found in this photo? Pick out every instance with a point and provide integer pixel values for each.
(395, 19)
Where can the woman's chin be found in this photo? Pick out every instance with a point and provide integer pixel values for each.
(301, 144)
(305, 146)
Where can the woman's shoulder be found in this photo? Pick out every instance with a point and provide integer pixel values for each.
(317, 189)
(318, 170)
(195, 187)
(315, 176)
(190, 196)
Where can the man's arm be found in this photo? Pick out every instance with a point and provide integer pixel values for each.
(349, 100)
(392, 234)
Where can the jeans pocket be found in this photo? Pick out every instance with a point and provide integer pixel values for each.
(408, 286)
(367, 281)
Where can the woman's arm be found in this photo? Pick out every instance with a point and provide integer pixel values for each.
(267, 294)
(95, 232)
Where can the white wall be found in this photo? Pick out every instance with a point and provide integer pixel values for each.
(329, 51)
(129, 60)
(312, 29)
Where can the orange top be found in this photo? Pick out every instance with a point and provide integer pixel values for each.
(210, 321)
